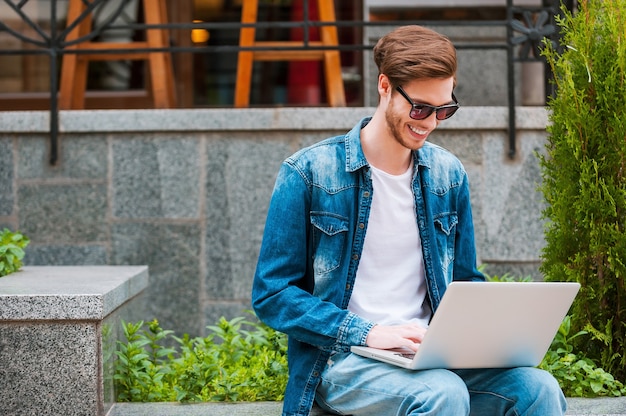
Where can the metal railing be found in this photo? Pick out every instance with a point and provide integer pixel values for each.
(526, 29)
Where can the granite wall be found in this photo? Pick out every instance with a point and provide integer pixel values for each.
(186, 191)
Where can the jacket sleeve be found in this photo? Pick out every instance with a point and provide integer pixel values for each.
(465, 245)
(282, 288)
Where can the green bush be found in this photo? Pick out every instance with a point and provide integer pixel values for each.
(11, 251)
(584, 176)
(507, 277)
(234, 364)
(231, 364)
(577, 375)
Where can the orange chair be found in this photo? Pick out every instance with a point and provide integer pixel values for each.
(329, 38)
(73, 81)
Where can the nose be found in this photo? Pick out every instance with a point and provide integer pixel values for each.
(431, 121)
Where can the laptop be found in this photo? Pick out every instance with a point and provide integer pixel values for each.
(487, 325)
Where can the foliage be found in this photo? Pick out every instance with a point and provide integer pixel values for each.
(584, 176)
(11, 251)
(231, 364)
(506, 277)
(577, 375)
(139, 371)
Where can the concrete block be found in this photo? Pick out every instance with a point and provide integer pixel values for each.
(7, 198)
(56, 340)
(173, 253)
(509, 188)
(240, 177)
(65, 255)
(156, 177)
(63, 213)
(49, 368)
(576, 407)
(78, 158)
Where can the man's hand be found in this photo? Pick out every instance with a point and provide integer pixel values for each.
(396, 336)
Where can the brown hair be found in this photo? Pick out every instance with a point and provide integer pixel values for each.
(415, 52)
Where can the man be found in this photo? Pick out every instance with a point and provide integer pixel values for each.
(364, 233)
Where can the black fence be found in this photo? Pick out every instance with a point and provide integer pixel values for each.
(526, 28)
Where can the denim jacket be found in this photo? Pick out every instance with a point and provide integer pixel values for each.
(313, 240)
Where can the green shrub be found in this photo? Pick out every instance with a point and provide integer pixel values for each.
(231, 364)
(584, 176)
(507, 277)
(11, 251)
(577, 375)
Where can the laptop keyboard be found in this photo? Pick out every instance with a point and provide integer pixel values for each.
(408, 355)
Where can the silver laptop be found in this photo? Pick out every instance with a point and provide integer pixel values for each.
(488, 325)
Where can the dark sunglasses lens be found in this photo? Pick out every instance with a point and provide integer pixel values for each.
(420, 112)
(446, 112)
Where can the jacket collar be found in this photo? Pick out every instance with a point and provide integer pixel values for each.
(355, 159)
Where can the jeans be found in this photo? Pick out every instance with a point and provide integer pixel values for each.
(355, 385)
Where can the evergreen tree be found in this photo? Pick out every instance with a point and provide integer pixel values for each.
(584, 175)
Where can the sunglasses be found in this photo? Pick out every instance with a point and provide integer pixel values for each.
(423, 111)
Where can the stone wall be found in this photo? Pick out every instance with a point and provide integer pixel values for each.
(186, 191)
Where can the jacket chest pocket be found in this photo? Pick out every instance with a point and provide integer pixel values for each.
(328, 234)
(446, 222)
(445, 226)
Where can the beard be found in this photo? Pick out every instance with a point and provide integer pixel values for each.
(395, 125)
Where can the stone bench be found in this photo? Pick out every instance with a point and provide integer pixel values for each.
(577, 407)
(58, 330)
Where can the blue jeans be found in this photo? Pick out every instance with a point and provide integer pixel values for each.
(354, 385)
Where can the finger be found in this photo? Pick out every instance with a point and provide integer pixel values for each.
(416, 334)
(413, 346)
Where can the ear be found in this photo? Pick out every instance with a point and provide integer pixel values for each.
(384, 86)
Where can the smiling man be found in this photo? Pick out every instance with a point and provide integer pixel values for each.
(364, 233)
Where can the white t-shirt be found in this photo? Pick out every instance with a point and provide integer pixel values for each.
(390, 286)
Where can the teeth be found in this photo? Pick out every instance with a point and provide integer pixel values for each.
(422, 132)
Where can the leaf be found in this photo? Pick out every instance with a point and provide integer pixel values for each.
(11, 251)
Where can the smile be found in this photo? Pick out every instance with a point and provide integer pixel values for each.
(416, 131)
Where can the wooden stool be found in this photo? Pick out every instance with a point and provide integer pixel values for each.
(332, 63)
(73, 81)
